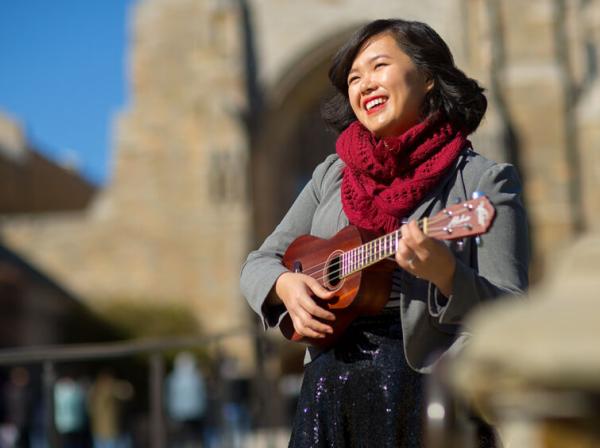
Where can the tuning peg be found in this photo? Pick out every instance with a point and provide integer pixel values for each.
(476, 194)
(478, 241)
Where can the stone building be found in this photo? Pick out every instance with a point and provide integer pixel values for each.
(31, 183)
(35, 309)
(223, 129)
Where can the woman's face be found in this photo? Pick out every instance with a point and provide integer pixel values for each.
(385, 88)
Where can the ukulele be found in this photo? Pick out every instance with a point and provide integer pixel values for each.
(356, 264)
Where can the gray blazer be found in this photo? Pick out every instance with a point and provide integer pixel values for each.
(431, 323)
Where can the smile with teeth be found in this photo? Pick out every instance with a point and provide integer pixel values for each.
(374, 102)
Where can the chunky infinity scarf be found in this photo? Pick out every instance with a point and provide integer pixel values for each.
(385, 179)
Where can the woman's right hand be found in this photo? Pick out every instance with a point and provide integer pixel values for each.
(295, 291)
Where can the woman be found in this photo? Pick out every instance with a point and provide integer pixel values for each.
(403, 111)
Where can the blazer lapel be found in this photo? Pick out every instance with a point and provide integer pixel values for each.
(427, 206)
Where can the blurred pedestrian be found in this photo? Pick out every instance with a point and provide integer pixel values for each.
(16, 398)
(70, 416)
(186, 401)
(107, 397)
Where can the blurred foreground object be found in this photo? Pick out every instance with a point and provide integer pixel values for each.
(533, 367)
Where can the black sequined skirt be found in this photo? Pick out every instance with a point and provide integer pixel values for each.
(361, 393)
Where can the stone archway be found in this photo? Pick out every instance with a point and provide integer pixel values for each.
(292, 139)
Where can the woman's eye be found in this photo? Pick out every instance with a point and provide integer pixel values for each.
(379, 65)
(352, 80)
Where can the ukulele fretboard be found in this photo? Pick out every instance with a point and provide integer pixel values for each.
(370, 253)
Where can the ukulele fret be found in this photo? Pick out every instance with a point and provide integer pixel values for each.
(369, 253)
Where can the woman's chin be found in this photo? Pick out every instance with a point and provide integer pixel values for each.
(385, 132)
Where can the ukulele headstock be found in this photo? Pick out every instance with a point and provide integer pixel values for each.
(468, 218)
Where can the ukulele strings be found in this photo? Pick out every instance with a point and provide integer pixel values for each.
(338, 264)
(315, 269)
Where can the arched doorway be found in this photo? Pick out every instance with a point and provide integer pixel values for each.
(292, 139)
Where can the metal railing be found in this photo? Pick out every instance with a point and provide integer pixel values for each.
(49, 356)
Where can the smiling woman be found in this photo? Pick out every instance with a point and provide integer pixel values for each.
(385, 87)
(403, 111)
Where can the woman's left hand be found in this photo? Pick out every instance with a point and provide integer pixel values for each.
(426, 257)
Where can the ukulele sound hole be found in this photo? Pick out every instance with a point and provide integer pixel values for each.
(333, 270)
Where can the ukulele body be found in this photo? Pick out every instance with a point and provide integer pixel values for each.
(362, 293)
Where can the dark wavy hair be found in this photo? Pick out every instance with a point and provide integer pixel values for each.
(454, 94)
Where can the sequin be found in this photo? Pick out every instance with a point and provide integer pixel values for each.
(361, 393)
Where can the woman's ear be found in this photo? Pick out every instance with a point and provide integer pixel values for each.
(429, 83)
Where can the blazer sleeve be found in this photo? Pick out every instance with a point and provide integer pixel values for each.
(263, 267)
(499, 266)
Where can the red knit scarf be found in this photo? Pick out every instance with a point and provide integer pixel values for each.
(385, 179)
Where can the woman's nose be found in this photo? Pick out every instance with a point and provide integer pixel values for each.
(367, 84)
